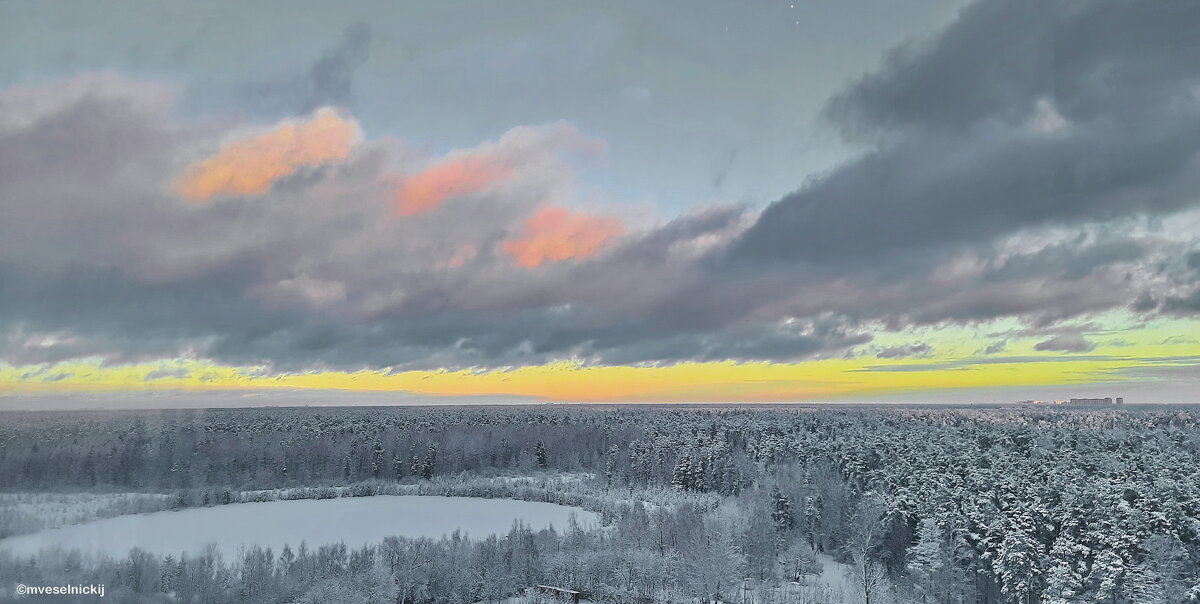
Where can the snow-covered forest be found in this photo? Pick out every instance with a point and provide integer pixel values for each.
(902, 504)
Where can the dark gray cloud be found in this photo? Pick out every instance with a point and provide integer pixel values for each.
(996, 347)
(1067, 342)
(1069, 261)
(176, 399)
(1144, 303)
(964, 364)
(1020, 114)
(1188, 304)
(1007, 160)
(911, 350)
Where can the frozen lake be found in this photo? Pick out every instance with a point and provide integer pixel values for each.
(354, 520)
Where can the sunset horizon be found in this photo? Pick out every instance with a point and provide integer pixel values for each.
(256, 213)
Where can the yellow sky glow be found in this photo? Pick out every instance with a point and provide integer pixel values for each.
(955, 363)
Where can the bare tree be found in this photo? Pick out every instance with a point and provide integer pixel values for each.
(868, 574)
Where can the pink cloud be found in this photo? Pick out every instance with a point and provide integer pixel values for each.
(250, 166)
(427, 190)
(553, 234)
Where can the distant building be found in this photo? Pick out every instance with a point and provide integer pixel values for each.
(1095, 401)
(1076, 401)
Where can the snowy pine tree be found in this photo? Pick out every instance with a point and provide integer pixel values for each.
(1145, 585)
(781, 511)
(1064, 585)
(610, 465)
(1019, 563)
(1108, 576)
(430, 461)
(681, 475)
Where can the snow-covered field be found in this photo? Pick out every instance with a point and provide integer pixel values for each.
(353, 520)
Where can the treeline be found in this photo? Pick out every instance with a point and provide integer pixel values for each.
(980, 506)
(272, 448)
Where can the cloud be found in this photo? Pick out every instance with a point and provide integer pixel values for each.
(178, 373)
(318, 271)
(1186, 304)
(1071, 261)
(992, 182)
(1067, 342)
(1006, 163)
(462, 255)
(251, 165)
(523, 151)
(301, 289)
(911, 350)
(327, 81)
(953, 163)
(331, 77)
(455, 176)
(1144, 303)
(554, 234)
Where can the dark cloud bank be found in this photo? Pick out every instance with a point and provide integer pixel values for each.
(1027, 161)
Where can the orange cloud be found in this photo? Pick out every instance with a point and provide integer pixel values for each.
(426, 190)
(251, 165)
(552, 234)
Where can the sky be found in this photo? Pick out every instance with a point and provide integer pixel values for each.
(231, 203)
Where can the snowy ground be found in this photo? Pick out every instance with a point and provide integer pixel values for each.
(832, 586)
(353, 520)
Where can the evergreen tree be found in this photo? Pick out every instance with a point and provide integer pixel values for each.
(730, 484)
(812, 518)
(1063, 581)
(1018, 563)
(696, 479)
(377, 459)
(1108, 575)
(1145, 585)
(682, 474)
(429, 462)
(610, 465)
(781, 511)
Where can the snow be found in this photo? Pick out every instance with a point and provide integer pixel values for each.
(835, 576)
(833, 585)
(353, 520)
